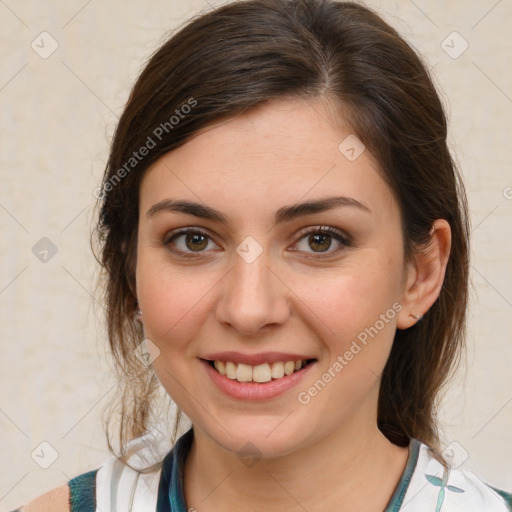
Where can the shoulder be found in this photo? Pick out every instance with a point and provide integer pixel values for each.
(507, 496)
(480, 494)
(56, 500)
(78, 495)
(456, 487)
(113, 486)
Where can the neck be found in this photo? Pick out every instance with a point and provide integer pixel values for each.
(336, 471)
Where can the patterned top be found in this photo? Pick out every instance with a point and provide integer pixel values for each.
(425, 486)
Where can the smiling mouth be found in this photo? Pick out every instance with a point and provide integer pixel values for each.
(261, 373)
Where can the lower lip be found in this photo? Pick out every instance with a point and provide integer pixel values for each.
(256, 390)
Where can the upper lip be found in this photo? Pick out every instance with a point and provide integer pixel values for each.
(255, 359)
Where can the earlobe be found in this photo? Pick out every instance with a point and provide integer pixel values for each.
(137, 314)
(426, 275)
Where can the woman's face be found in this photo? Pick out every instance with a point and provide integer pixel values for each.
(256, 283)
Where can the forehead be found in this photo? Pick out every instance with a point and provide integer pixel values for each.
(279, 153)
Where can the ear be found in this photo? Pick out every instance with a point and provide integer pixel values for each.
(425, 275)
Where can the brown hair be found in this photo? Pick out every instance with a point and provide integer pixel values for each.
(249, 52)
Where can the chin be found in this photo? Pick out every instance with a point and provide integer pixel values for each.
(255, 437)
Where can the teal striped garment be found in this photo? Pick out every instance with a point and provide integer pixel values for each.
(425, 485)
(82, 491)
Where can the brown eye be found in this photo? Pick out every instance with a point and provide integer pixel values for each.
(187, 241)
(320, 239)
(196, 242)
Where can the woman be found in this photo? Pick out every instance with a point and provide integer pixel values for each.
(282, 224)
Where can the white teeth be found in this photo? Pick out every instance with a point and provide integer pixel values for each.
(277, 370)
(231, 370)
(244, 373)
(289, 367)
(261, 373)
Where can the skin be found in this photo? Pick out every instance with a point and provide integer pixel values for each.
(292, 298)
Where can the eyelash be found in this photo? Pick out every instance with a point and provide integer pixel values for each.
(328, 230)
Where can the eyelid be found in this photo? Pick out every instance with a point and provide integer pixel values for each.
(191, 229)
(324, 229)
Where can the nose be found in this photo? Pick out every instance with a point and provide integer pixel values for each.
(254, 297)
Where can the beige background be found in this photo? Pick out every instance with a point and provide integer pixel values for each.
(58, 114)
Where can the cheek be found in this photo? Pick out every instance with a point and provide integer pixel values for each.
(167, 307)
(174, 300)
(156, 293)
(354, 314)
(174, 307)
(351, 298)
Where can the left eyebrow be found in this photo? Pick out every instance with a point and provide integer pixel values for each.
(284, 214)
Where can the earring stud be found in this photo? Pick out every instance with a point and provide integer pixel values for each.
(416, 317)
